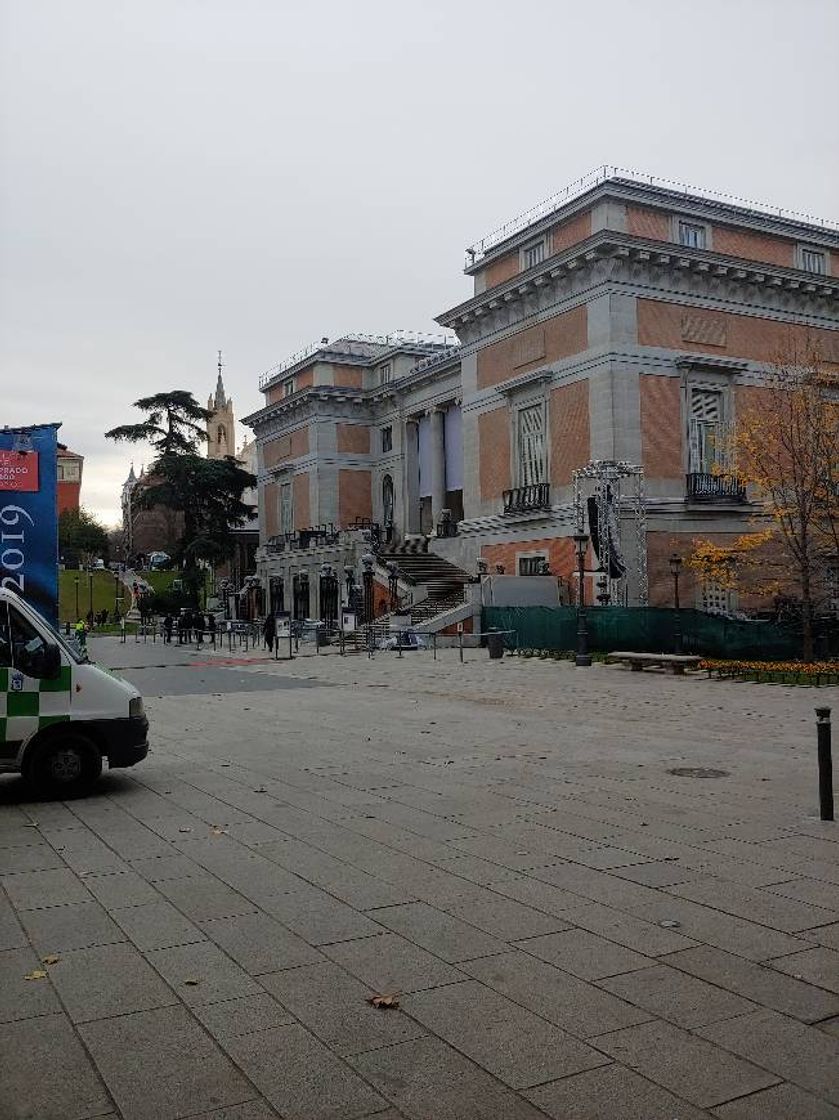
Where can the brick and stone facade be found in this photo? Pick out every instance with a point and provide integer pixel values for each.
(629, 321)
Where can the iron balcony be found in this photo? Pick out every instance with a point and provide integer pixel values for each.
(702, 487)
(526, 499)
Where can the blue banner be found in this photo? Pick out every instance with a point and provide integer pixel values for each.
(29, 515)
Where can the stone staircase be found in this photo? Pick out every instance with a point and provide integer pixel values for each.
(445, 582)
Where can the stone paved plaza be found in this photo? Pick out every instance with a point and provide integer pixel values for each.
(573, 930)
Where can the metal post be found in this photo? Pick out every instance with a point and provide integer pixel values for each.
(460, 644)
(825, 764)
(434, 644)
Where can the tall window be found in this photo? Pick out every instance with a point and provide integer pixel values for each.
(717, 599)
(813, 261)
(286, 510)
(387, 500)
(387, 439)
(692, 234)
(706, 431)
(531, 445)
(384, 374)
(288, 387)
(533, 254)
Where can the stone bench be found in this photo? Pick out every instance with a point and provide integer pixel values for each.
(675, 663)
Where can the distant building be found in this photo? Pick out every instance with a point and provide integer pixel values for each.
(158, 529)
(70, 466)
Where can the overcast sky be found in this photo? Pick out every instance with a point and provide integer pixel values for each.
(180, 176)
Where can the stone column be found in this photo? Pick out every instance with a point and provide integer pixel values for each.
(410, 459)
(438, 464)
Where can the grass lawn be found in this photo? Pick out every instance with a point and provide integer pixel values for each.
(103, 594)
(160, 581)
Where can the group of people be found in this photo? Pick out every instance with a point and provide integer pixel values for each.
(190, 625)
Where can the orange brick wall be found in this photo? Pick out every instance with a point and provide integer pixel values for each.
(569, 430)
(352, 439)
(569, 233)
(503, 269)
(348, 377)
(560, 552)
(300, 500)
(494, 452)
(354, 495)
(306, 379)
(661, 426)
(546, 342)
(271, 506)
(753, 246)
(291, 446)
(761, 340)
(660, 546)
(652, 224)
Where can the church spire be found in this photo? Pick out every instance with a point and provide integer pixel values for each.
(220, 400)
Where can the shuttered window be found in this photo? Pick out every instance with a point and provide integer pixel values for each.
(286, 512)
(531, 445)
(706, 432)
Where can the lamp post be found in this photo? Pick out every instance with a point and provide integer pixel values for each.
(367, 562)
(393, 586)
(76, 582)
(116, 593)
(90, 592)
(583, 657)
(675, 569)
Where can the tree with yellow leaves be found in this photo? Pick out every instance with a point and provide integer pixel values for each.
(785, 448)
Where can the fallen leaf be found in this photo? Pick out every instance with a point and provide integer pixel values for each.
(36, 974)
(384, 1002)
(191, 983)
(51, 959)
(184, 830)
(219, 831)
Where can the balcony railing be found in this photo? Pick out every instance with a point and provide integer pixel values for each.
(715, 488)
(526, 499)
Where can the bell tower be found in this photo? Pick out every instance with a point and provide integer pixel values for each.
(221, 426)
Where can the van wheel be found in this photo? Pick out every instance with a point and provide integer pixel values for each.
(64, 766)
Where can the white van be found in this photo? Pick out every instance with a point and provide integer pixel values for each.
(59, 714)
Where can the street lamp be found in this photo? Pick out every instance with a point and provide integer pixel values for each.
(393, 586)
(367, 563)
(76, 581)
(90, 592)
(583, 657)
(675, 569)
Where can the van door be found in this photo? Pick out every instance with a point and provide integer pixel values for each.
(35, 681)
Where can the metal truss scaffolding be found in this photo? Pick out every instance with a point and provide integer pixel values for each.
(600, 486)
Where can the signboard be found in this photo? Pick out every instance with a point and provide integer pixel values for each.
(282, 622)
(349, 621)
(29, 516)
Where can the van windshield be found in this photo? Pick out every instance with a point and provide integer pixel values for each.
(70, 650)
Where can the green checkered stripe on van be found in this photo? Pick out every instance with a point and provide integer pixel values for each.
(27, 705)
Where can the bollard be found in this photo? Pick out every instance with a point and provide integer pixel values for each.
(460, 644)
(825, 764)
(434, 643)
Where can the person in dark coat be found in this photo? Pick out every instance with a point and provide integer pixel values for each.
(167, 628)
(269, 631)
(198, 626)
(211, 628)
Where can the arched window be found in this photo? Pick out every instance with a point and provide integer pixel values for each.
(387, 500)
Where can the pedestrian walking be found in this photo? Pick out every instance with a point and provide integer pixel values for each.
(211, 628)
(269, 631)
(81, 634)
(199, 628)
(167, 628)
(181, 628)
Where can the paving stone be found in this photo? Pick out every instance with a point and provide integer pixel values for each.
(473, 868)
(259, 943)
(189, 1071)
(32, 889)
(300, 1077)
(612, 1092)
(829, 1026)
(815, 966)
(233, 1017)
(657, 874)
(75, 926)
(825, 895)
(584, 954)
(677, 997)
(825, 935)
(34, 857)
(688, 1066)
(389, 963)
(156, 925)
(333, 1005)
(505, 917)
(801, 1054)
(87, 855)
(107, 980)
(11, 931)
(573, 1004)
(625, 929)
(759, 906)
(203, 898)
(251, 1110)
(781, 1102)
(124, 888)
(156, 869)
(756, 982)
(21, 998)
(439, 933)
(217, 976)
(318, 918)
(429, 1080)
(45, 1073)
(500, 1036)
